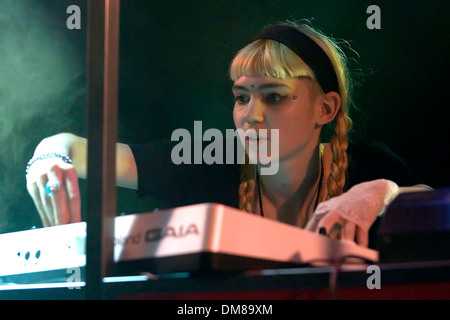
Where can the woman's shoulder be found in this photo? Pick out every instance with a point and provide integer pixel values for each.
(363, 151)
(182, 183)
(370, 147)
(371, 159)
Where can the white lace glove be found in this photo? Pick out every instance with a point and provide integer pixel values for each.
(353, 213)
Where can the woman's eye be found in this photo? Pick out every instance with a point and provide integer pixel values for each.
(241, 99)
(274, 98)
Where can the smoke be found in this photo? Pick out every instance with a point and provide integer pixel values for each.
(42, 91)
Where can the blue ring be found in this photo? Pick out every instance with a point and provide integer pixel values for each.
(50, 188)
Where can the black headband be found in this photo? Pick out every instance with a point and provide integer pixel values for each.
(308, 50)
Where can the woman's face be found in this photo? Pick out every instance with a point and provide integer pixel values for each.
(289, 105)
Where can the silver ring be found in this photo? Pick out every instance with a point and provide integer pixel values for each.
(51, 187)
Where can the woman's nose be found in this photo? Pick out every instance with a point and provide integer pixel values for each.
(255, 111)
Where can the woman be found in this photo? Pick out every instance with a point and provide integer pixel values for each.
(292, 79)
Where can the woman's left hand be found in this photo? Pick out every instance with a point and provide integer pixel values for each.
(354, 211)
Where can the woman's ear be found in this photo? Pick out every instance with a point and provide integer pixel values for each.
(329, 107)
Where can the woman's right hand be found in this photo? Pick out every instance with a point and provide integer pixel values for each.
(51, 167)
(62, 205)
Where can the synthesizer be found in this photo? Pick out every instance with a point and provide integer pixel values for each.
(195, 238)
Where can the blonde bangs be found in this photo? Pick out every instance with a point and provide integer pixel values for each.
(268, 58)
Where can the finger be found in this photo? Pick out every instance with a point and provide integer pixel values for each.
(318, 214)
(58, 197)
(73, 195)
(35, 195)
(329, 220)
(45, 200)
(348, 231)
(60, 206)
(313, 223)
(362, 237)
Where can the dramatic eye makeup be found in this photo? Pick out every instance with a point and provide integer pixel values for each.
(241, 98)
(271, 93)
(275, 98)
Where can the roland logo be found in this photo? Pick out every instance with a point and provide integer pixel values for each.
(180, 231)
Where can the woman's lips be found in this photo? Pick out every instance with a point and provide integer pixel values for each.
(256, 140)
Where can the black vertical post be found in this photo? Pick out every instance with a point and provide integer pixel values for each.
(102, 82)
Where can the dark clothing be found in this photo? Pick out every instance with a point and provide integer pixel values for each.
(371, 160)
(186, 184)
(183, 184)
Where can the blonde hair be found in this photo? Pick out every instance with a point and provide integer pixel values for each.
(264, 57)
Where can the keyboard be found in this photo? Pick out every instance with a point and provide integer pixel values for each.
(206, 237)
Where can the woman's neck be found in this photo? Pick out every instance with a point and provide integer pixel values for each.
(289, 195)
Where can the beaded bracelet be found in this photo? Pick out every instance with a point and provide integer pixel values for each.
(47, 155)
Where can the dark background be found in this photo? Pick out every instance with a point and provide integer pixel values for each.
(174, 70)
